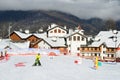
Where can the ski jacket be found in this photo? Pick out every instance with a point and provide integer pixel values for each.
(38, 57)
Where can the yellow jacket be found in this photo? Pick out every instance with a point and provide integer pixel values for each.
(38, 56)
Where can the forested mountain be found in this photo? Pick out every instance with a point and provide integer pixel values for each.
(35, 20)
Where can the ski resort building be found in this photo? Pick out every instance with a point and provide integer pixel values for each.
(104, 46)
(56, 37)
(69, 41)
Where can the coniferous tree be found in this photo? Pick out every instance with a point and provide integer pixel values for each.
(110, 24)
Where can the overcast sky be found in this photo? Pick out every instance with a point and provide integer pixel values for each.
(81, 8)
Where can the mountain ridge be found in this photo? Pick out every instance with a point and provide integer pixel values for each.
(41, 19)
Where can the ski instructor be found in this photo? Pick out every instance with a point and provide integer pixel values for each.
(37, 60)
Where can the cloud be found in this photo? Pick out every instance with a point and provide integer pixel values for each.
(81, 8)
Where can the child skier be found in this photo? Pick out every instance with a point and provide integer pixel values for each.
(96, 62)
(37, 60)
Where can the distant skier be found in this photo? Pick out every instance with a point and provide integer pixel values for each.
(95, 60)
(37, 60)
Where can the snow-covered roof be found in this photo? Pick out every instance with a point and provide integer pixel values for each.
(75, 32)
(55, 42)
(54, 26)
(41, 35)
(104, 37)
(22, 35)
(6, 42)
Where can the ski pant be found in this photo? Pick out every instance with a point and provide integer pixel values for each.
(37, 62)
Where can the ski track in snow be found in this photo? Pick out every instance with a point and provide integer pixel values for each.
(58, 68)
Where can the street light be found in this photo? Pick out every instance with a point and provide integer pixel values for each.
(9, 33)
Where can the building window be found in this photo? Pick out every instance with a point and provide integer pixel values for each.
(112, 49)
(51, 31)
(104, 52)
(82, 48)
(74, 38)
(55, 31)
(59, 31)
(82, 39)
(95, 54)
(91, 49)
(108, 55)
(78, 38)
(63, 31)
(70, 38)
(98, 48)
(99, 54)
(83, 54)
(92, 54)
(95, 48)
(112, 55)
(33, 40)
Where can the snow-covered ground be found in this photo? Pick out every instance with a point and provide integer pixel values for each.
(59, 68)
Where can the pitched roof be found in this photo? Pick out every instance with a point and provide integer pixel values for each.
(41, 35)
(104, 37)
(6, 42)
(22, 35)
(73, 33)
(57, 26)
(55, 42)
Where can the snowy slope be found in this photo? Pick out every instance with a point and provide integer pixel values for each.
(58, 68)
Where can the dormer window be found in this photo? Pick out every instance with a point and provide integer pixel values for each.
(59, 31)
(63, 31)
(55, 31)
(51, 31)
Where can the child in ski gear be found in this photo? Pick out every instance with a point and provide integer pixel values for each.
(37, 60)
(96, 62)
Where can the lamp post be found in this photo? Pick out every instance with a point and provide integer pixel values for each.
(9, 33)
(115, 32)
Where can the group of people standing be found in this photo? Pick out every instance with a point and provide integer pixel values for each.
(4, 55)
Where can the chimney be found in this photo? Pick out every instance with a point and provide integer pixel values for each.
(27, 31)
(65, 27)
